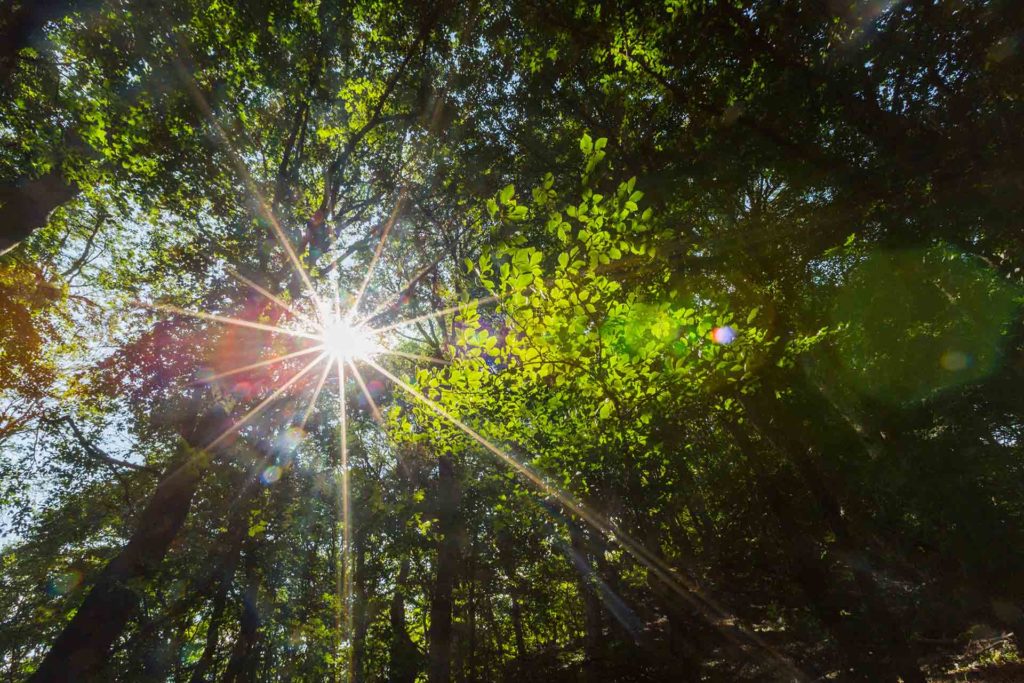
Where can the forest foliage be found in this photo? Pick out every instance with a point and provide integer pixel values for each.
(701, 347)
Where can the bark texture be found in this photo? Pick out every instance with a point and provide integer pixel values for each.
(82, 647)
(26, 205)
(440, 635)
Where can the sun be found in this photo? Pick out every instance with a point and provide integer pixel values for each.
(345, 341)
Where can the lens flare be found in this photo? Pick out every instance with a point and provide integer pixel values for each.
(955, 361)
(270, 475)
(723, 335)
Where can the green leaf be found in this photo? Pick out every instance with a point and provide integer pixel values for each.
(586, 144)
(506, 193)
(523, 281)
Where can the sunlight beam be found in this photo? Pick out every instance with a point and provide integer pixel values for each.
(268, 294)
(391, 302)
(262, 363)
(399, 205)
(375, 411)
(261, 204)
(230, 321)
(316, 395)
(345, 576)
(436, 314)
(524, 470)
(265, 402)
(415, 356)
(682, 586)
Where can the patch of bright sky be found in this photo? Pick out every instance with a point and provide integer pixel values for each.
(90, 333)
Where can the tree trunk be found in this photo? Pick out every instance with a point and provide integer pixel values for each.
(593, 643)
(229, 564)
(403, 666)
(20, 26)
(471, 617)
(82, 647)
(25, 206)
(440, 634)
(360, 611)
(508, 564)
(494, 629)
(242, 666)
(517, 628)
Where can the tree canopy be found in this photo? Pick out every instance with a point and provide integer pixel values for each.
(507, 340)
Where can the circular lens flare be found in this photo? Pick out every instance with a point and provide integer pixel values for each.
(349, 342)
(723, 335)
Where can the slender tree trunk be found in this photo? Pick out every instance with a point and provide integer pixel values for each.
(403, 666)
(441, 603)
(242, 665)
(497, 637)
(25, 206)
(593, 643)
(360, 614)
(174, 662)
(517, 628)
(226, 576)
(82, 647)
(202, 667)
(471, 617)
(508, 563)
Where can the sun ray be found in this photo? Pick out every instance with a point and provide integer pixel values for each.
(344, 576)
(374, 410)
(230, 321)
(389, 301)
(683, 587)
(254, 471)
(436, 314)
(245, 419)
(262, 363)
(316, 395)
(261, 203)
(270, 295)
(415, 356)
(535, 478)
(392, 219)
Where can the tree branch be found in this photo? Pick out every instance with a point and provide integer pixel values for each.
(97, 454)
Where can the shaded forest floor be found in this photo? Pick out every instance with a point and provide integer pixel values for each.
(991, 658)
(983, 655)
